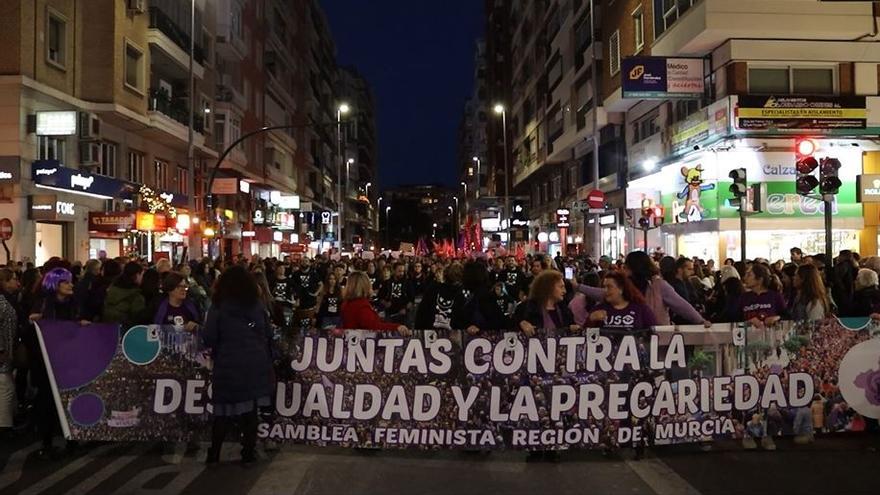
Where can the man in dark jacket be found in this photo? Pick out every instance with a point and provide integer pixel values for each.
(396, 295)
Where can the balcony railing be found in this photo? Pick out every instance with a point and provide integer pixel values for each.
(161, 102)
(161, 21)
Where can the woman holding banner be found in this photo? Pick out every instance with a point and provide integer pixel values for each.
(624, 306)
(238, 332)
(358, 314)
(58, 304)
(545, 308)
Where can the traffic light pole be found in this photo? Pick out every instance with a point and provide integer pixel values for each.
(742, 234)
(829, 259)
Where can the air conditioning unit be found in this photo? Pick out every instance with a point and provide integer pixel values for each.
(137, 6)
(89, 126)
(89, 154)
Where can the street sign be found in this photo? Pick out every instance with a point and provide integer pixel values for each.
(5, 229)
(596, 199)
(597, 211)
(562, 215)
(581, 206)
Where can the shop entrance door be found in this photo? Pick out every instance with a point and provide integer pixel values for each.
(49, 242)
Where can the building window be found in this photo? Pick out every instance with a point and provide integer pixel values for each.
(135, 167)
(639, 29)
(108, 160)
(161, 175)
(645, 128)
(207, 112)
(50, 148)
(792, 80)
(227, 129)
(666, 12)
(236, 27)
(182, 180)
(208, 47)
(56, 39)
(134, 68)
(614, 53)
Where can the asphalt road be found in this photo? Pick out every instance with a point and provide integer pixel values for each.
(842, 464)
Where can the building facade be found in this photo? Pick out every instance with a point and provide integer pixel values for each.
(96, 151)
(768, 75)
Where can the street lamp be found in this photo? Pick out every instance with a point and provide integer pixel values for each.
(499, 109)
(341, 110)
(387, 229)
(368, 190)
(477, 192)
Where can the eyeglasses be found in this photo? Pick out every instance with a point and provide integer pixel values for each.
(183, 286)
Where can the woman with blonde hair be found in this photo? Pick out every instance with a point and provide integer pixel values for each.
(358, 314)
(544, 307)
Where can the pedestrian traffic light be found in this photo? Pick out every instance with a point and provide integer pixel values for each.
(738, 189)
(657, 215)
(806, 181)
(829, 182)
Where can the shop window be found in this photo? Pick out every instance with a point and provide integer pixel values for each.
(792, 80)
(136, 167)
(639, 28)
(134, 67)
(56, 40)
(51, 148)
(108, 159)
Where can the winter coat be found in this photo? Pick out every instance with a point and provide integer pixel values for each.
(358, 314)
(482, 311)
(866, 301)
(239, 337)
(124, 305)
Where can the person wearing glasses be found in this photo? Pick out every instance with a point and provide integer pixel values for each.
(176, 309)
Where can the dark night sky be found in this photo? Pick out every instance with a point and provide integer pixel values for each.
(418, 57)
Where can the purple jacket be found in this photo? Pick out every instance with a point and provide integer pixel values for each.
(660, 297)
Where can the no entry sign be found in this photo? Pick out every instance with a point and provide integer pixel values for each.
(5, 229)
(596, 199)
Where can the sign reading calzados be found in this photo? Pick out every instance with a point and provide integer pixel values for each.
(801, 112)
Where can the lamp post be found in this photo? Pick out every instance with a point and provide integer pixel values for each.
(467, 208)
(341, 110)
(367, 186)
(452, 222)
(499, 109)
(477, 160)
(387, 228)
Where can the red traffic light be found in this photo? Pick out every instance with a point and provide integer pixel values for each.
(804, 147)
(806, 165)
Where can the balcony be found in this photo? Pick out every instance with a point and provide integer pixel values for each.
(176, 109)
(169, 47)
(702, 25)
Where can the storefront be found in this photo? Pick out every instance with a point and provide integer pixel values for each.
(110, 234)
(698, 221)
(53, 218)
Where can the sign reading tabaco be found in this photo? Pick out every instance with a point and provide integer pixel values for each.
(111, 222)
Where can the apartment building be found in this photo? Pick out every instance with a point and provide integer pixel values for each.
(552, 121)
(766, 75)
(360, 180)
(473, 141)
(95, 143)
(95, 100)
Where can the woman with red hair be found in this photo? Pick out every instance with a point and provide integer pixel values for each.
(624, 306)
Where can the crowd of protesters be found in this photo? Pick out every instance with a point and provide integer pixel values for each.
(236, 306)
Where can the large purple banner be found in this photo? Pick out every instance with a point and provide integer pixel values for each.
(447, 389)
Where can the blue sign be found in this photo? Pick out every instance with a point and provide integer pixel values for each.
(661, 78)
(51, 174)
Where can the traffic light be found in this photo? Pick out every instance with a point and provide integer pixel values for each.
(805, 165)
(658, 214)
(647, 211)
(738, 189)
(829, 182)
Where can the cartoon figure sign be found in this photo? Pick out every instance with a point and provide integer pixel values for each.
(693, 188)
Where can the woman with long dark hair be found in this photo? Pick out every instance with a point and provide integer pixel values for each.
(238, 332)
(330, 302)
(659, 295)
(486, 308)
(762, 305)
(811, 300)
